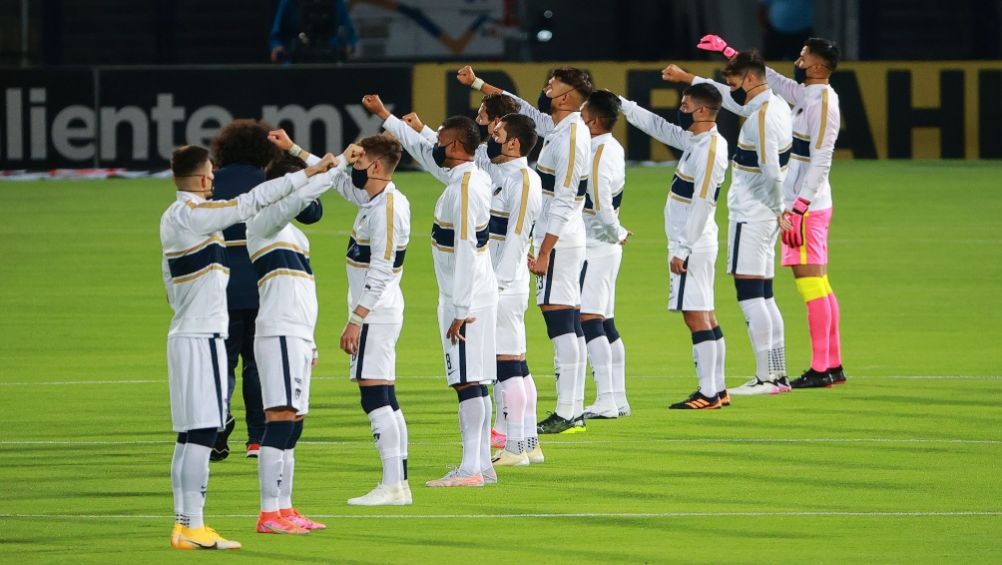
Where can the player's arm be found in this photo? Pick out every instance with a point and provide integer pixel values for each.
(417, 146)
(768, 152)
(603, 171)
(465, 249)
(789, 89)
(384, 251)
(518, 203)
(563, 208)
(824, 121)
(654, 125)
(544, 123)
(725, 92)
(269, 221)
(705, 182)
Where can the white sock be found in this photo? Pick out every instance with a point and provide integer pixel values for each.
(175, 481)
(704, 354)
(566, 346)
(600, 354)
(269, 475)
(531, 437)
(485, 438)
(618, 351)
(514, 414)
(288, 474)
(471, 423)
(500, 423)
(194, 482)
(718, 373)
(759, 332)
(777, 355)
(582, 377)
(402, 430)
(387, 436)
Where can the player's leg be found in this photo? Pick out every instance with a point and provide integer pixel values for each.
(531, 433)
(581, 378)
(616, 346)
(818, 252)
(251, 388)
(719, 370)
(596, 287)
(302, 359)
(558, 293)
(177, 461)
(691, 293)
(777, 355)
(481, 341)
(234, 345)
(402, 431)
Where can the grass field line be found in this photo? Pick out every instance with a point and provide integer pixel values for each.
(539, 515)
(541, 375)
(368, 443)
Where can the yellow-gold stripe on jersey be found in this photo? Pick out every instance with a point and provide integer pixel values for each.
(196, 247)
(204, 271)
(708, 173)
(284, 272)
(520, 223)
(388, 254)
(464, 202)
(280, 245)
(212, 204)
(823, 119)
(594, 177)
(761, 132)
(572, 156)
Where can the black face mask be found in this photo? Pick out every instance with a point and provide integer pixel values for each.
(484, 131)
(544, 103)
(739, 95)
(438, 154)
(359, 177)
(799, 74)
(685, 119)
(493, 148)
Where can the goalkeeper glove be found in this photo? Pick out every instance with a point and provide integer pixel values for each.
(794, 237)
(716, 44)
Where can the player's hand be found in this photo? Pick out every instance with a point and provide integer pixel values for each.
(677, 265)
(353, 153)
(375, 105)
(349, 339)
(453, 334)
(627, 238)
(674, 73)
(316, 358)
(784, 221)
(540, 265)
(328, 162)
(794, 236)
(414, 121)
(716, 44)
(465, 76)
(280, 139)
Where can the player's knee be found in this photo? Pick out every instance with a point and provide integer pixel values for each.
(509, 370)
(578, 329)
(182, 438)
(610, 329)
(374, 397)
(559, 322)
(811, 288)
(278, 433)
(702, 335)
(297, 432)
(525, 369)
(469, 392)
(767, 289)
(749, 288)
(392, 393)
(205, 437)
(593, 329)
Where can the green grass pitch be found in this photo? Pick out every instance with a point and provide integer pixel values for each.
(900, 465)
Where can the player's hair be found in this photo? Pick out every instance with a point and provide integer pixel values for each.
(497, 105)
(604, 105)
(826, 49)
(387, 149)
(188, 160)
(244, 141)
(746, 62)
(523, 129)
(467, 132)
(282, 166)
(579, 79)
(705, 94)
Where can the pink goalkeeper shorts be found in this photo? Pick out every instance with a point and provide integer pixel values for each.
(814, 251)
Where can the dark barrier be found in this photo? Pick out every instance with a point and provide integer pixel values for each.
(135, 117)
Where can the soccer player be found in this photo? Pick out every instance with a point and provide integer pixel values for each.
(195, 276)
(605, 238)
(754, 204)
(692, 230)
(807, 197)
(563, 166)
(242, 151)
(468, 290)
(284, 345)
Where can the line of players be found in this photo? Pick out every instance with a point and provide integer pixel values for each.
(492, 205)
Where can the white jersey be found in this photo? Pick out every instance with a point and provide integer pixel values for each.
(605, 192)
(760, 161)
(194, 257)
(460, 234)
(689, 221)
(280, 253)
(563, 165)
(517, 198)
(816, 123)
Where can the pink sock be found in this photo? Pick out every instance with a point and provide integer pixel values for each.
(819, 320)
(834, 341)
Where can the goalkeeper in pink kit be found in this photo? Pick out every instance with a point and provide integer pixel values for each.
(807, 197)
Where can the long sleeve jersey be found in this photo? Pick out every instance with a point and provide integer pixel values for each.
(689, 221)
(816, 123)
(563, 166)
(280, 253)
(460, 233)
(605, 191)
(760, 161)
(517, 198)
(193, 261)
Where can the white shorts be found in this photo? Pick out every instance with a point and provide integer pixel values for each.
(562, 283)
(284, 365)
(196, 372)
(510, 335)
(692, 291)
(751, 248)
(377, 353)
(598, 280)
(472, 360)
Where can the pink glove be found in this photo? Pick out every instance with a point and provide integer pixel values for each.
(716, 44)
(794, 237)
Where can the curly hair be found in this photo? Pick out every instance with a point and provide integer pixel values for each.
(244, 141)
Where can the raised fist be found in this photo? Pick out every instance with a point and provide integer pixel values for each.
(465, 76)
(414, 121)
(281, 139)
(375, 105)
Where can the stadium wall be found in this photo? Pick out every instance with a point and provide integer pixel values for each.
(132, 117)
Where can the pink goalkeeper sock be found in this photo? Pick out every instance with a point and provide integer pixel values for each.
(834, 340)
(819, 320)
